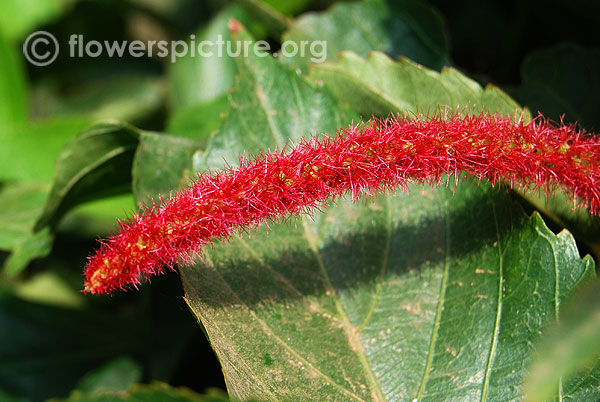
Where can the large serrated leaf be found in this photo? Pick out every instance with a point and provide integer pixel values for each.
(434, 295)
(379, 85)
(407, 28)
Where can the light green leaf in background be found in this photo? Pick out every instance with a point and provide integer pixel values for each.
(570, 354)
(407, 28)
(13, 95)
(27, 159)
(199, 121)
(18, 17)
(434, 295)
(202, 79)
(126, 98)
(379, 85)
(20, 205)
(29, 151)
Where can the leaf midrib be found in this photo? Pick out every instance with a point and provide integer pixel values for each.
(439, 308)
(492, 354)
(349, 330)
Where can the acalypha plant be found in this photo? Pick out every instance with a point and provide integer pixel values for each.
(364, 159)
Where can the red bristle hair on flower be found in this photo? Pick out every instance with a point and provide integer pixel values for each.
(368, 158)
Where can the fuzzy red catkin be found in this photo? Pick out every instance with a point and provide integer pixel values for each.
(369, 158)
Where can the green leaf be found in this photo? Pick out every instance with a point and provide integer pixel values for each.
(562, 80)
(287, 7)
(434, 295)
(571, 353)
(198, 121)
(408, 297)
(44, 350)
(264, 114)
(13, 95)
(202, 79)
(29, 151)
(52, 287)
(4, 397)
(162, 163)
(156, 392)
(559, 208)
(95, 164)
(407, 28)
(18, 17)
(97, 218)
(127, 98)
(20, 205)
(379, 85)
(270, 15)
(116, 375)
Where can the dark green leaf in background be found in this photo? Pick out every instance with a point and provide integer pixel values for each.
(564, 79)
(287, 7)
(126, 98)
(202, 79)
(116, 375)
(407, 28)
(570, 353)
(95, 164)
(44, 349)
(270, 15)
(156, 392)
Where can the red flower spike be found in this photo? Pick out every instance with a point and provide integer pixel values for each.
(368, 158)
